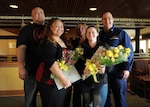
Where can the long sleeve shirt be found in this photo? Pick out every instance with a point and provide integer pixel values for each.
(114, 38)
(80, 65)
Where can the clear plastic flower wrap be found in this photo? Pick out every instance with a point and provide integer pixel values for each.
(107, 57)
(111, 56)
(66, 64)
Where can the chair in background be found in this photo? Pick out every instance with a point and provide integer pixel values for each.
(141, 76)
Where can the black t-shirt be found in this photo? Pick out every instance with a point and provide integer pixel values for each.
(75, 42)
(80, 65)
(49, 53)
(31, 36)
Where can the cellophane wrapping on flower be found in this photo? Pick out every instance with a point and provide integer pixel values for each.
(107, 57)
(69, 57)
(92, 69)
(111, 56)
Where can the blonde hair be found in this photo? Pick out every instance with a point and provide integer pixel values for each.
(77, 27)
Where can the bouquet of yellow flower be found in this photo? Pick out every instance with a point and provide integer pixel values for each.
(66, 64)
(114, 55)
(93, 70)
(69, 58)
(111, 56)
(107, 57)
(72, 56)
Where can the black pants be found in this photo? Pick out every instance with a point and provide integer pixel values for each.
(77, 99)
(52, 97)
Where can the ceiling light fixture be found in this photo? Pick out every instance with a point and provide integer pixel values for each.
(93, 9)
(13, 6)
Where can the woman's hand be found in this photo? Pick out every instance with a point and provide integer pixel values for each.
(86, 72)
(101, 69)
(66, 83)
(59, 74)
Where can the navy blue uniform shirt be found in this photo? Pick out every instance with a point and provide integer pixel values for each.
(115, 37)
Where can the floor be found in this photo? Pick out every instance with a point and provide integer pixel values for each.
(18, 101)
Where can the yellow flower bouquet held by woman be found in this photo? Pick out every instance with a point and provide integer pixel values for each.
(69, 58)
(107, 57)
(92, 69)
(66, 64)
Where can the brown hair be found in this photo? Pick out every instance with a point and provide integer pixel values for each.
(48, 32)
(91, 26)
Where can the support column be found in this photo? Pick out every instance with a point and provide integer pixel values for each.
(137, 40)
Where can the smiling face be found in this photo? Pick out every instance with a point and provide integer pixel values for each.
(57, 28)
(38, 15)
(107, 21)
(91, 34)
(81, 29)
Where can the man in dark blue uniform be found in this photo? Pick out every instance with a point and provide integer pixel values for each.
(119, 74)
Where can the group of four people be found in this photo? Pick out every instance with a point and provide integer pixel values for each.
(39, 47)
